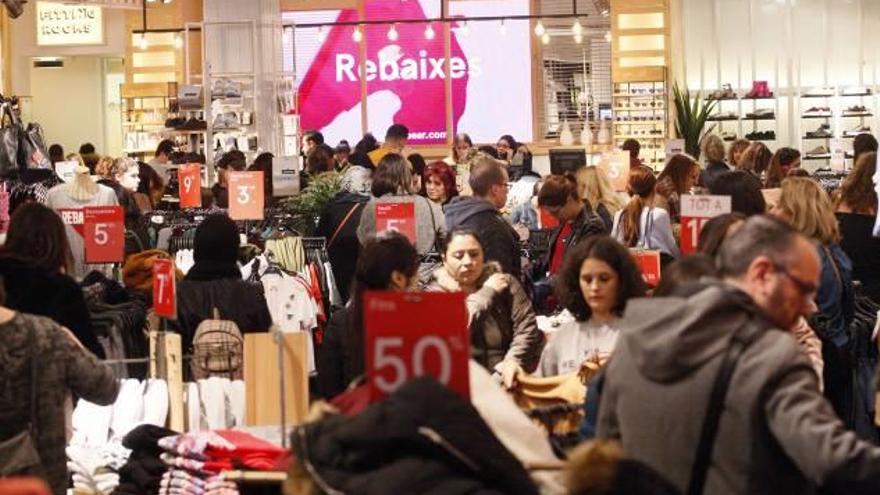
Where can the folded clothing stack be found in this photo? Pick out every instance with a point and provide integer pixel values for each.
(180, 482)
(143, 472)
(211, 452)
(94, 469)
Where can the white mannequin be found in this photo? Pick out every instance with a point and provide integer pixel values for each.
(127, 174)
(83, 187)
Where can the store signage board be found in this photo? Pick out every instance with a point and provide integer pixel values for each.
(649, 264)
(285, 178)
(189, 179)
(164, 289)
(66, 170)
(104, 234)
(60, 24)
(696, 210)
(402, 344)
(616, 166)
(246, 195)
(397, 217)
(674, 147)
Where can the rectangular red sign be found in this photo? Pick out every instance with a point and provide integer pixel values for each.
(696, 210)
(399, 217)
(164, 289)
(104, 234)
(246, 195)
(402, 344)
(189, 178)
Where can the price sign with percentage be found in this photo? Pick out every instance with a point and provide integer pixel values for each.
(245, 195)
(399, 217)
(104, 234)
(402, 344)
(696, 210)
(164, 289)
(649, 264)
(189, 178)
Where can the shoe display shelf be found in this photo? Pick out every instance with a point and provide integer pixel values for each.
(733, 113)
(843, 113)
(640, 113)
(145, 109)
(229, 113)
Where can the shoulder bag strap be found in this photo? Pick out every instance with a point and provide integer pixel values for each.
(343, 223)
(738, 343)
(32, 338)
(834, 266)
(433, 226)
(649, 227)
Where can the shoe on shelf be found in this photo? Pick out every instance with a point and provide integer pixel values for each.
(855, 131)
(761, 113)
(761, 136)
(723, 116)
(728, 136)
(855, 91)
(820, 91)
(819, 151)
(818, 112)
(823, 131)
(856, 109)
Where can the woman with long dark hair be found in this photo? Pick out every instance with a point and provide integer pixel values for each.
(678, 177)
(856, 210)
(387, 262)
(640, 224)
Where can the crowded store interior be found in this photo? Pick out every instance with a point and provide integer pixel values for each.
(367, 247)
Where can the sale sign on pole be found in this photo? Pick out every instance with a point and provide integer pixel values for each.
(246, 195)
(164, 289)
(402, 344)
(399, 217)
(696, 210)
(649, 264)
(104, 234)
(189, 178)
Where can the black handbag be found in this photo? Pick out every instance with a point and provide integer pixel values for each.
(19, 455)
(10, 135)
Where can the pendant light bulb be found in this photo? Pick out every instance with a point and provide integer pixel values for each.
(429, 32)
(321, 34)
(608, 36)
(539, 29)
(577, 29)
(357, 36)
(545, 38)
(502, 29)
(178, 41)
(578, 38)
(143, 44)
(393, 35)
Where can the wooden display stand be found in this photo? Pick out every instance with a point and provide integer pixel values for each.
(263, 379)
(166, 362)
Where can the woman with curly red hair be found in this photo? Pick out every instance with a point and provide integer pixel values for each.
(439, 183)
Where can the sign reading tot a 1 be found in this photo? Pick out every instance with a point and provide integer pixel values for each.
(696, 210)
(245, 195)
(104, 234)
(399, 217)
(402, 344)
(189, 178)
(164, 289)
(649, 264)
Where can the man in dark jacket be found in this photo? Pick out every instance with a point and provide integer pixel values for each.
(338, 224)
(480, 213)
(776, 433)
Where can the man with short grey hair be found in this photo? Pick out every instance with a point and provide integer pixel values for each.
(706, 387)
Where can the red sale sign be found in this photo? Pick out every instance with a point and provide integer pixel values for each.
(104, 234)
(696, 210)
(399, 217)
(402, 344)
(189, 179)
(246, 195)
(164, 289)
(649, 264)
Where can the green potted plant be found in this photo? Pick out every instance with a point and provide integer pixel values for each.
(691, 113)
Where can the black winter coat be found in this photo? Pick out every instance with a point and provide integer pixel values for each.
(336, 357)
(500, 241)
(423, 439)
(32, 289)
(587, 224)
(345, 248)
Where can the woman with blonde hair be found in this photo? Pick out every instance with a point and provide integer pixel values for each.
(712, 148)
(737, 148)
(808, 208)
(594, 186)
(856, 210)
(755, 160)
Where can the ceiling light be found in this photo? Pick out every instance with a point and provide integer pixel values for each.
(577, 29)
(429, 32)
(357, 36)
(539, 29)
(502, 29)
(545, 38)
(143, 44)
(392, 33)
